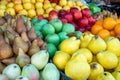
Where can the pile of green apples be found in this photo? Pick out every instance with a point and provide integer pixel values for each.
(53, 32)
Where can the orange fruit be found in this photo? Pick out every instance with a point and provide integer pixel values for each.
(112, 33)
(117, 29)
(99, 22)
(104, 33)
(96, 28)
(109, 23)
(118, 20)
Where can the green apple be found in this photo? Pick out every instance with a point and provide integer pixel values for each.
(47, 29)
(51, 49)
(57, 24)
(52, 38)
(62, 36)
(39, 24)
(67, 27)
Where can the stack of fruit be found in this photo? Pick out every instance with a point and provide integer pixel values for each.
(33, 8)
(90, 57)
(107, 27)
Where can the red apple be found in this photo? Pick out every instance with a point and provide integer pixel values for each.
(77, 15)
(52, 15)
(82, 29)
(75, 25)
(64, 20)
(73, 9)
(83, 22)
(69, 17)
(40, 17)
(91, 20)
(86, 12)
(62, 13)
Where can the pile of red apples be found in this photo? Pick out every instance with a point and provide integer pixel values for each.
(82, 20)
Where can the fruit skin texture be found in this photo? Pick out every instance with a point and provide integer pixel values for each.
(109, 23)
(14, 69)
(117, 29)
(106, 76)
(85, 38)
(69, 17)
(83, 22)
(77, 68)
(97, 44)
(47, 29)
(60, 59)
(86, 12)
(57, 24)
(106, 58)
(116, 74)
(67, 27)
(50, 72)
(86, 52)
(96, 70)
(113, 44)
(70, 45)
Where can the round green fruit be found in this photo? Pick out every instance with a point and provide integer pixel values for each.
(67, 27)
(47, 29)
(57, 24)
(51, 49)
(62, 36)
(52, 38)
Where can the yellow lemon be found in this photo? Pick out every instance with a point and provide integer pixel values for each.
(40, 0)
(40, 11)
(78, 3)
(31, 13)
(18, 7)
(60, 59)
(10, 5)
(33, 1)
(57, 7)
(45, 15)
(70, 3)
(27, 5)
(48, 10)
(23, 12)
(62, 2)
(38, 5)
(66, 7)
(47, 5)
(11, 11)
(53, 4)
(2, 6)
(2, 12)
(25, 1)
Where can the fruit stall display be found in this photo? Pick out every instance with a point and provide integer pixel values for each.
(58, 40)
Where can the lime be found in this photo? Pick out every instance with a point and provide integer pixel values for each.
(47, 29)
(67, 27)
(52, 38)
(51, 49)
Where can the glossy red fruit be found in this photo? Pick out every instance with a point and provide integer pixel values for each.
(73, 9)
(91, 20)
(77, 15)
(83, 22)
(52, 15)
(40, 17)
(86, 12)
(62, 13)
(64, 20)
(69, 17)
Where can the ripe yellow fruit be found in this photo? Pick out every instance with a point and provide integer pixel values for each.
(57, 7)
(38, 5)
(10, 5)
(62, 2)
(26, 1)
(45, 15)
(18, 7)
(40, 0)
(70, 3)
(47, 5)
(23, 12)
(33, 1)
(83, 7)
(66, 7)
(2, 12)
(2, 6)
(27, 6)
(33, 7)
(78, 3)
(3, 2)
(11, 11)
(53, 4)
(48, 10)
(31, 13)
(60, 59)
(40, 11)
